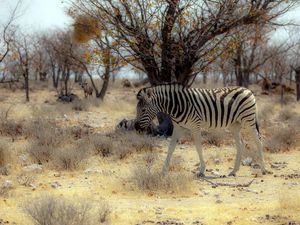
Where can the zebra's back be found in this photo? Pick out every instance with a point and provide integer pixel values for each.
(212, 108)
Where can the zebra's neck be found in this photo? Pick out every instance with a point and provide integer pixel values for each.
(169, 100)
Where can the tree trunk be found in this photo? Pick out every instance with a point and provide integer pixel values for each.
(297, 78)
(106, 77)
(204, 78)
(26, 85)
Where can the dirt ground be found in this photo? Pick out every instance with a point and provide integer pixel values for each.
(269, 199)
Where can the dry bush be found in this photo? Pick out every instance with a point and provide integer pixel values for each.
(147, 179)
(286, 115)
(3, 154)
(47, 138)
(265, 113)
(102, 213)
(102, 145)
(68, 158)
(121, 143)
(26, 179)
(46, 132)
(5, 157)
(5, 188)
(9, 127)
(126, 143)
(213, 137)
(50, 210)
(80, 105)
(78, 132)
(289, 116)
(40, 153)
(282, 139)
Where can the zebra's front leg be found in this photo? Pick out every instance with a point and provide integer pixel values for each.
(239, 148)
(177, 133)
(198, 143)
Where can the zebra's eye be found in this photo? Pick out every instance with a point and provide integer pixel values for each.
(143, 110)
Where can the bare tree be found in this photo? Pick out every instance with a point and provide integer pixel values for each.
(173, 40)
(22, 48)
(8, 30)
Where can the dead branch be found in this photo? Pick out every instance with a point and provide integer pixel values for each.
(217, 184)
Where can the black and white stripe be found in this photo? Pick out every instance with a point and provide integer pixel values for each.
(191, 108)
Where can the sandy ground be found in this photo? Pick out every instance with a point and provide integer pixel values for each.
(270, 199)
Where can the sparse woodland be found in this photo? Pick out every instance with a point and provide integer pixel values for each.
(62, 160)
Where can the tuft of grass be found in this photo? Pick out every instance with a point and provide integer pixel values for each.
(26, 179)
(5, 157)
(3, 154)
(121, 144)
(265, 113)
(51, 210)
(126, 143)
(102, 145)
(5, 188)
(146, 178)
(68, 158)
(10, 127)
(282, 139)
(213, 137)
(80, 105)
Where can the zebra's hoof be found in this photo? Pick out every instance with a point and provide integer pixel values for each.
(231, 174)
(201, 175)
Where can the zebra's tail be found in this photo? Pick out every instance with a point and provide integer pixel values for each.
(257, 129)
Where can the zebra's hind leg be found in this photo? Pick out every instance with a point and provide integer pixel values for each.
(259, 146)
(239, 148)
(177, 133)
(198, 143)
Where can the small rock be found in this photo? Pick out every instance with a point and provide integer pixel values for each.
(91, 171)
(219, 201)
(55, 184)
(35, 168)
(8, 184)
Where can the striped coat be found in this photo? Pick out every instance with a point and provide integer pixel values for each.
(194, 109)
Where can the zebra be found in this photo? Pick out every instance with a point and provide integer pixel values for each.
(233, 108)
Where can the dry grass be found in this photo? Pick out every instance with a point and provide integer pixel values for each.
(288, 201)
(68, 158)
(213, 137)
(84, 104)
(51, 210)
(5, 188)
(10, 127)
(3, 153)
(5, 158)
(26, 179)
(282, 139)
(121, 144)
(147, 178)
(265, 113)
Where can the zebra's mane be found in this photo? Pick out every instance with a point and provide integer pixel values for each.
(143, 90)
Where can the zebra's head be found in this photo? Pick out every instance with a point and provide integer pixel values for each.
(146, 109)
